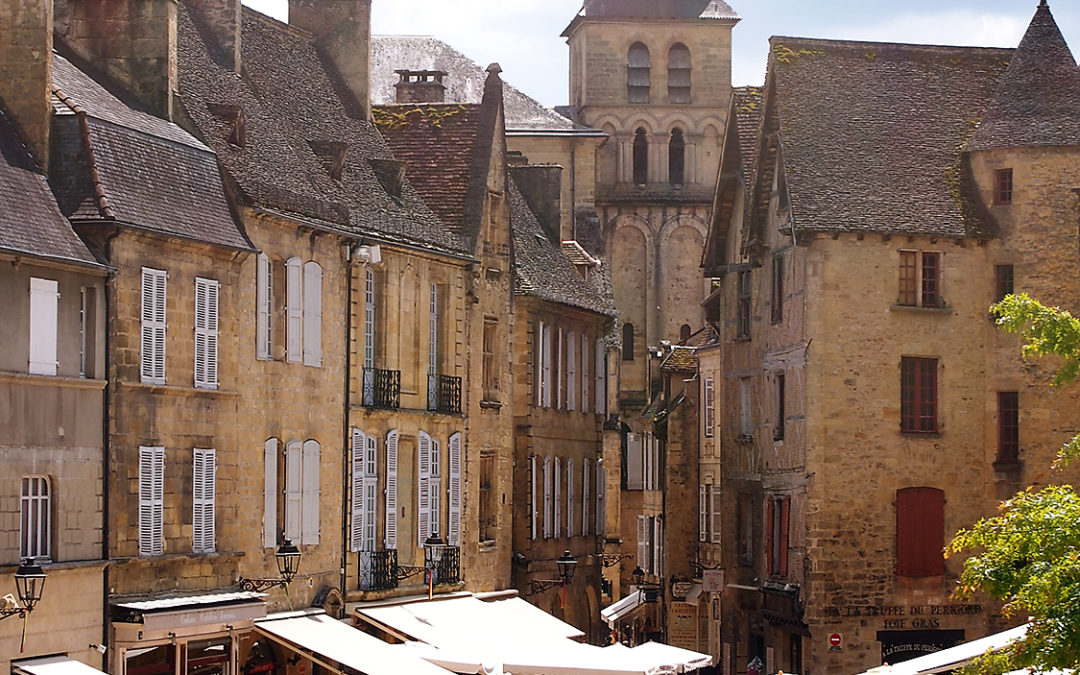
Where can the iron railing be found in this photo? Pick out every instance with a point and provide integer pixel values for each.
(378, 570)
(449, 570)
(382, 388)
(444, 393)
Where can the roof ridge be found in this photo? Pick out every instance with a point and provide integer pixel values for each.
(853, 43)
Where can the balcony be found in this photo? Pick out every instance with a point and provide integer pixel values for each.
(449, 571)
(444, 394)
(382, 388)
(378, 570)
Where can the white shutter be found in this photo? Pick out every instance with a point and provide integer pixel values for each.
(152, 357)
(647, 461)
(356, 525)
(570, 497)
(547, 498)
(207, 292)
(435, 488)
(264, 299)
(538, 364)
(370, 492)
(294, 490)
(294, 310)
(643, 543)
(560, 371)
(715, 514)
(534, 509)
(584, 373)
(703, 519)
(310, 509)
(312, 314)
(586, 524)
(545, 357)
(658, 547)
(571, 372)
(634, 461)
(558, 497)
(203, 492)
(151, 501)
(601, 498)
(44, 300)
(391, 490)
(599, 387)
(423, 494)
(270, 493)
(453, 528)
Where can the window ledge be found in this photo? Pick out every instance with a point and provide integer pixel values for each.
(924, 310)
(59, 566)
(742, 338)
(1008, 465)
(52, 381)
(491, 405)
(920, 434)
(179, 391)
(744, 438)
(180, 556)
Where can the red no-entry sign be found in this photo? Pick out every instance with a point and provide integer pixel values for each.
(834, 639)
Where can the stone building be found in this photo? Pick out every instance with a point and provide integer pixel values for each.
(867, 408)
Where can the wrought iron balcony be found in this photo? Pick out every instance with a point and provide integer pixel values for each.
(444, 393)
(382, 388)
(378, 570)
(449, 570)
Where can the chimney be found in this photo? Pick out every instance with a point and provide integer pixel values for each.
(132, 41)
(26, 70)
(342, 32)
(222, 20)
(541, 186)
(420, 86)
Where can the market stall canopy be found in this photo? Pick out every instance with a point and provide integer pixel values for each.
(573, 658)
(620, 609)
(456, 660)
(53, 665)
(685, 660)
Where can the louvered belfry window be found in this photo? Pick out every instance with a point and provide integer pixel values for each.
(152, 342)
(207, 292)
(679, 73)
(638, 69)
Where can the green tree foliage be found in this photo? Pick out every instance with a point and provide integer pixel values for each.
(1028, 555)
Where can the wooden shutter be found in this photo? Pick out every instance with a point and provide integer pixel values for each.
(357, 523)
(423, 494)
(558, 497)
(311, 486)
(312, 313)
(634, 462)
(270, 493)
(293, 490)
(206, 333)
(715, 515)
(571, 372)
(538, 364)
(785, 512)
(920, 532)
(600, 387)
(545, 351)
(547, 498)
(586, 524)
(770, 539)
(152, 357)
(264, 299)
(44, 300)
(601, 498)
(585, 373)
(703, 517)
(391, 490)
(533, 506)
(203, 492)
(643, 543)
(560, 370)
(294, 310)
(570, 529)
(151, 501)
(453, 530)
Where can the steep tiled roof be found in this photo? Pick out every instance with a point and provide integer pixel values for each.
(1038, 101)
(668, 9)
(286, 100)
(748, 105)
(872, 133)
(543, 271)
(140, 170)
(680, 359)
(30, 220)
(464, 83)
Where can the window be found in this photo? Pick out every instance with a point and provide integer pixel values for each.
(781, 394)
(560, 370)
(570, 495)
(312, 314)
(453, 460)
(638, 69)
(1003, 281)
(709, 406)
(777, 516)
(586, 477)
(679, 73)
(920, 532)
(152, 342)
(264, 308)
(715, 515)
(85, 324)
(601, 498)
(294, 310)
(203, 493)
(558, 498)
(920, 279)
(628, 342)
(1008, 426)
(302, 464)
(151, 501)
(743, 307)
(1003, 186)
(634, 462)
(745, 517)
(677, 158)
(600, 386)
(641, 157)
(35, 530)
(364, 493)
(547, 497)
(489, 522)
(534, 504)
(491, 370)
(746, 417)
(918, 395)
(571, 371)
(206, 333)
(684, 333)
(778, 288)
(703, 512)
(391, 515)
(369, 319)
(428, 488)
(44, 300)
(270, 492)
(585, 348)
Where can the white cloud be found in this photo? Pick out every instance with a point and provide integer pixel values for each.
(954, 27)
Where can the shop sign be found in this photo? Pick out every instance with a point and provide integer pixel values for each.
(712, 581)
(680, 589)
(683, 626)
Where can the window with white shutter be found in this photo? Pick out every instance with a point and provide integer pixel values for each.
(435, 487)
(558, 497)
(312, 313)
(44, 301)
(423, 492)
(370, 491)
(35, 526)
(294, 310)
(600, 387)
(433, 348)
(203, 493)
(570, 532)
(356, 501)
(264, 308)
(560, 370)
(152, 343)
(294, 490)
(646, 461)
(585, 373)
(151, 501)
(643, 543)
(390, 541)
(206, 333)
(453, 532)
(547, 498)
(601, 498)
(538, 364)
(311, 486)
(703, 512)
(534, 507)
(545, 356)
(571, 371)
(270, 492)
(586, 523)
(715, 515)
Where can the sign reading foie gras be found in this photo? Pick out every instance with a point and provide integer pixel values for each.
(683, 625)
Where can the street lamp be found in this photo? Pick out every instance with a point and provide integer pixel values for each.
(648, 593)
(29, 583)
(566, 565)
(288, 563)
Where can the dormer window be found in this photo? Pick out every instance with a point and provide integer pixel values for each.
(638, 69)
(391, 175)
(332, 154)
(232, 116)
(581, 259)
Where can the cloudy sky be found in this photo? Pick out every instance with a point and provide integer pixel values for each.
(523, 35)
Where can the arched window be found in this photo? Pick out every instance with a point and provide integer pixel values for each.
(684, 332)
(628, 342)
(676, 158)
(637, 73)
(679, 73)
(641, 157)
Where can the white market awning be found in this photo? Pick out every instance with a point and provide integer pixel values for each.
(952, 658)
(623, 607)
(335, 641)
(684, 660)
(458, 661)
(53, 665)
(573, 658)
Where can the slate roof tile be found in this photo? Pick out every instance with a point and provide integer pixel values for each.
(749, 105)
(674, 9)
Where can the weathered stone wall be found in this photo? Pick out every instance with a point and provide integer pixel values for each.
(26, 70)
(577, 156)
